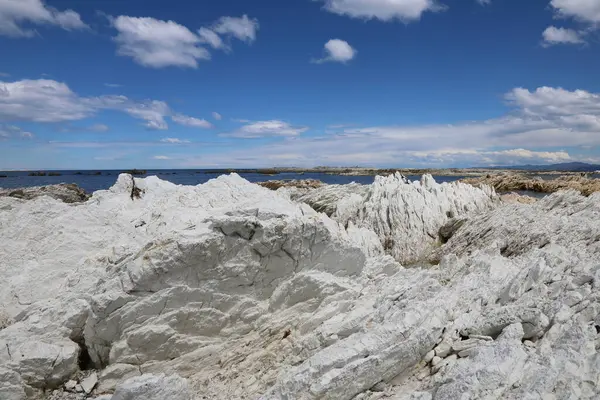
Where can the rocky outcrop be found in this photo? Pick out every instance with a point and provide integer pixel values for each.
(231, 291)
(300, 184)
(406, 216)
(508, 182)
(65, 192)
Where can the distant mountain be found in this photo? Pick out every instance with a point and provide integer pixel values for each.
(567, 167)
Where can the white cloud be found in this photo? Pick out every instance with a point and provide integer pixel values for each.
(157, 44)
(4, 75)
(242, 28)
(174, 141)
(271, 128)
(113, 85)
(338, 51)
(385, 10)
(543, 123)
(161, 158)
(41, 101)
(13, 13)
(191, 121)
(10, 131)
(50, 101)
(213, 39)
(217, 116)
(153, 112)
(583, 10)
(484, 2)
(553, 35)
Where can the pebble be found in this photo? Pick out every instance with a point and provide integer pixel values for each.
(443, 349)
(436, 360)
(429, 356)
(529, 343)
(424, 373)
(482, 337)
(70, 385)
(89, 383)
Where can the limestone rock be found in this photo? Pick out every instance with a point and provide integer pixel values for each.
(153, 387)
(65, 192)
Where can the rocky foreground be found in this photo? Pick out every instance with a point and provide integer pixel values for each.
(227, 290)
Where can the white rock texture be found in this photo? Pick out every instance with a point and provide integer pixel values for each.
(227, 290)
(406, 216)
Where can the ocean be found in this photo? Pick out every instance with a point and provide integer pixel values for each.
(94, 180)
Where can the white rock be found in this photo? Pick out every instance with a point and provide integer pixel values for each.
(70, 385)
(250, 295)
(153, 387)
(429, 356)
(89, 383)
(443, 349)
(436, 360)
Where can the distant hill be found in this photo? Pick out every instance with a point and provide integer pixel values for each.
(567, 167)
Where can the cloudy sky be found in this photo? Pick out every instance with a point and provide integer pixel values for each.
(237, 83)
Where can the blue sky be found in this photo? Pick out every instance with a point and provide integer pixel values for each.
(236, 83)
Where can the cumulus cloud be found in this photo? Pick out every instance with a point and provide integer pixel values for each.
(161, 158)
(41, 101)
(211, 37)
(174, 140)
(242, 28)
(541, 125)
(14, 13)
(273, 128)
(153, 112)
(385, 10)
(583, 10)
(156, 43)
(191, 121)
(51, 101)
(553, 35)
(217, 116)
(337, 50)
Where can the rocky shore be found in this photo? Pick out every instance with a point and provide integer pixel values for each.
(229, 290)
(507, 182)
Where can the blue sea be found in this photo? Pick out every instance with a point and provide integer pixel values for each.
(91, 181)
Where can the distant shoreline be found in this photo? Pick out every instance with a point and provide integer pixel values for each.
(348, 171)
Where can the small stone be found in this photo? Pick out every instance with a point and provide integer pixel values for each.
(443, 349)
(78, 389)
(573, 298)
(482, 337)
(556, 278)
(429, 356)
(436, 360)
(89, 383)
(424, 373)
(70, 386)
(529, 343)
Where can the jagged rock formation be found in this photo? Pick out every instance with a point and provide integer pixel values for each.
(406, 216)
(231, 291)
(65, 192)
(509, 182)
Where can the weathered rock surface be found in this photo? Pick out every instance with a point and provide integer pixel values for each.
(294, 183)
(508, 182)
(65, 192)
(231, 291)
(406, 216)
